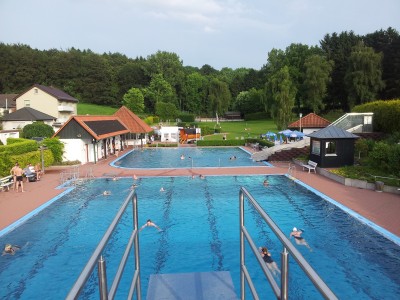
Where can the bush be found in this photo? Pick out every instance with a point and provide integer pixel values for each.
(256, 116)
(386, 114)
(37, 129)
(56, 147)
(210, 143)
(186, 118)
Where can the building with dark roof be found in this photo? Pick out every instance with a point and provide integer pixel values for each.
(7, 103)
(90, 138)
(24, 116)
(48, 100)
(332, 147)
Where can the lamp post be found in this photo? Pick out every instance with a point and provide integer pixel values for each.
(42, 156)
(301, 115)
(94, 150)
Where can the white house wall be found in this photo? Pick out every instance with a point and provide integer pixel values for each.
(14, 125)
(5, 135)
(169, 134)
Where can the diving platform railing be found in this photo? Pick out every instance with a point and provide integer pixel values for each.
(288, 248)
(98, 258)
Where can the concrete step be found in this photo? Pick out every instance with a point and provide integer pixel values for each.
(191, 286)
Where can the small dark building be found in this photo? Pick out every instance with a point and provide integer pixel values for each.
(332, 147)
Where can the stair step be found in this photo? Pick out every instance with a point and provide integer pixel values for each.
(191, 286)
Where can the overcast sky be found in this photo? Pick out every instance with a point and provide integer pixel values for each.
(221, 33)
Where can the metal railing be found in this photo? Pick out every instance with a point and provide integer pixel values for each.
(282, 291)
(98, 258)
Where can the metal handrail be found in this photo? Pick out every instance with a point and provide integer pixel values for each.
(282, 292)
(97, 258)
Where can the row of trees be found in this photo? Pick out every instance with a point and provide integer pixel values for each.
(344, 70)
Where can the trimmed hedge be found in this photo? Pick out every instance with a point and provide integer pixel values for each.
(386, 114)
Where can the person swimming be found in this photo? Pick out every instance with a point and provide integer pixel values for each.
(296, 233)
(271, 264)
(149, 223)
(10, 249)
(106, 193)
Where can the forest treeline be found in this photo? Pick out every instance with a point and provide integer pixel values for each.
(345, 70)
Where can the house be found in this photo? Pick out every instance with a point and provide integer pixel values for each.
(309, 123)
(332, 147)
(7, 103)
(5, 134)
(24, 116)
(50, 101)
(169, 134)
(90, 138)
(138, 129)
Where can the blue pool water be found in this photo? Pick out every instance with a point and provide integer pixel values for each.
(196, 157)
(200, 233)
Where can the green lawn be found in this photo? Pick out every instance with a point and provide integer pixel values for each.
(238, 129)
(93, 109)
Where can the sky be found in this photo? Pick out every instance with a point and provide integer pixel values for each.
(220, 33)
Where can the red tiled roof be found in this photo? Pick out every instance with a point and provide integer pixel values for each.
(132, 121)
(310, 121)
(99, 127)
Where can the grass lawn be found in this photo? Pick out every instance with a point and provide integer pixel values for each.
(95, 110)
(239, 129)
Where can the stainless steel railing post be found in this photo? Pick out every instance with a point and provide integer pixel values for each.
(137, 255)
(284, 274)
(242, 262)
(102, 273)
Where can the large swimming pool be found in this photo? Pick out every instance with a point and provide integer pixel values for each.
(184, 157)
(200, 233)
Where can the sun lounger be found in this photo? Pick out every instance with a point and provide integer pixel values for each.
(6, 182)
(311, 166)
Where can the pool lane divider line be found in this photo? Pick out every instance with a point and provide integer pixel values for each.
(387, 234)
(34, 212)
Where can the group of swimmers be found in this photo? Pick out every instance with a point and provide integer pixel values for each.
(266, 255)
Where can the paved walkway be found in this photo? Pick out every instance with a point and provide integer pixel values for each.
(381, 208)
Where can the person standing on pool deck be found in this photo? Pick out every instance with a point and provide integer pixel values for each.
(18, 172)
(149, 223)
(296, 233)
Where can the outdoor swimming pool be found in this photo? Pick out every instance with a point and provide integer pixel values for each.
(196, 157)
(200, 233)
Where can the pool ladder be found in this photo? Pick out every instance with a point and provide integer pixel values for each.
(98, 258)
(282, 291)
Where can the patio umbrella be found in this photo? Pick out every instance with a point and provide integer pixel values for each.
(298, 133)
(286, 132)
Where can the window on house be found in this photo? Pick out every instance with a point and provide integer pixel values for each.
(35, 91)
(27, 103)
(330, 148)
(316, 148)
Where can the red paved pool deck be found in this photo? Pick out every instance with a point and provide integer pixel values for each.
(381, 208)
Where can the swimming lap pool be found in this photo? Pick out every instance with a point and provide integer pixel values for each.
(196, 157)
(200, 233)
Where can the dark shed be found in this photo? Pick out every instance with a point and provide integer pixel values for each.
(332, 147)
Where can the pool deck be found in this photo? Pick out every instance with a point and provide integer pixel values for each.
(381, 208)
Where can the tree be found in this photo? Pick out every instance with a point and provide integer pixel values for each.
(317, 76)
(195, 92)
(37, 129)
(249, 101)
(364, 75)
(219, 97)
(134, 100)
(159, 90)
(166, 111)
(283, 94)
(337, 47)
